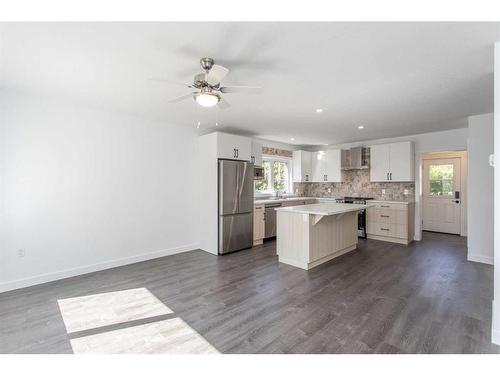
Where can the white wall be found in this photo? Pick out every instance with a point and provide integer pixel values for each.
(496, 287)
(449, 140)
(480, 189)
(86, 189)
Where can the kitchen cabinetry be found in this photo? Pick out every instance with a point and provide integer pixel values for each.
(230, 146)
(302, 166)
(392, 162)
(258, 224)
(326, 166)
(256, 156)
(391, 221)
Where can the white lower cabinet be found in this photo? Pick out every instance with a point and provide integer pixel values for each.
(259, 224)
(391, 221)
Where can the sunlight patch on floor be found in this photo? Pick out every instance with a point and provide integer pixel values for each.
(104, 309)
(171, 336)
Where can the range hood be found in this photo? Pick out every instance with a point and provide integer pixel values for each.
(355, 158)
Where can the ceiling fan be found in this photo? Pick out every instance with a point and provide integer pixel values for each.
(208, 86)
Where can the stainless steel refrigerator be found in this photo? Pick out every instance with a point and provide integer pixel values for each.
(235, 205)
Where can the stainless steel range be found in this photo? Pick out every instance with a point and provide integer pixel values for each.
(361, 213)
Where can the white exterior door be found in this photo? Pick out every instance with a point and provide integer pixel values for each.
(441, 195)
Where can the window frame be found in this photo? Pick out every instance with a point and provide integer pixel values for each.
(271, 160)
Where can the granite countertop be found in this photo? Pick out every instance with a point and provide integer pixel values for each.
(397, 202)
(323, 199)
(324, 209)
(290, 199)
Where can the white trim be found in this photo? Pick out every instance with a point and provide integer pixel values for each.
(495, 333)
(430, 155)
(70, 272)
(479, 258)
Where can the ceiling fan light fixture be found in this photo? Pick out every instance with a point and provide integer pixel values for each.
(206, 99)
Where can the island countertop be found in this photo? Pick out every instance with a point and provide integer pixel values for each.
(324, 209)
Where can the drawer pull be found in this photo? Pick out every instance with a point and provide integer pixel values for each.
(387, 229)
(385, 206)
(384, 216)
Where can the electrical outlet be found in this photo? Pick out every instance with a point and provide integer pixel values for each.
(21, 253)
(383, 191)
(329, 190)
(405, 192)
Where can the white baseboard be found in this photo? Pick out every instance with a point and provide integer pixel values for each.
(495, 324)
(70, 272)
(479, 258)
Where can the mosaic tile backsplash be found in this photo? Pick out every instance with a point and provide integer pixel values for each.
(357, 183)
(276, 152)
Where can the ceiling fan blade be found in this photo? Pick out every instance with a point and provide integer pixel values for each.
(223, 104)
(181, 98)
(238, 89)
(216, 74)
(170, 82)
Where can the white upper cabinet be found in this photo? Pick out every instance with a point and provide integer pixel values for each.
(402, 158)
(333, 171)
(231, 146)
(392, 162)
(326, 166)
(379, 162)
(302, 166)
(256, 156)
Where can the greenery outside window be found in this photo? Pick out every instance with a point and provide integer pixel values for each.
(441, 180)
(277, 176)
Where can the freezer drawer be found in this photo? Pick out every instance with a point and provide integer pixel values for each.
(235, 232)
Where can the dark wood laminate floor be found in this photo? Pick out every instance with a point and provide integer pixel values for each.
(381, 298)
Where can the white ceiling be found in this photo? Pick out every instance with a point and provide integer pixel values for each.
(393, 78)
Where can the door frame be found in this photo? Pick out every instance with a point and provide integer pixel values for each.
(462, 154)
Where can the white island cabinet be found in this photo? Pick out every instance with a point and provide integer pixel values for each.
(310, 235)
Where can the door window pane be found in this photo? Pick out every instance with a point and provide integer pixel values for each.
(441, 180)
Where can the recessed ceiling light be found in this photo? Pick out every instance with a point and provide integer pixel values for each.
(361, 127)
(319, 110)
(325, 144)
(292, 139)
(216, 124)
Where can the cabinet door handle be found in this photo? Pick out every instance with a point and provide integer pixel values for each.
(237, 153)
(307, 177)
(253, 159)
(234, 152)
(387, 176)
(326, 177)
(384, 216)
(390, 175)
(385, 206)
(386, 229)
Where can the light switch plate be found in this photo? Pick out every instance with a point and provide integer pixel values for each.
(405, 192)
(492, 160)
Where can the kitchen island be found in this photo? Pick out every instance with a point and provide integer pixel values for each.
(310, 235)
